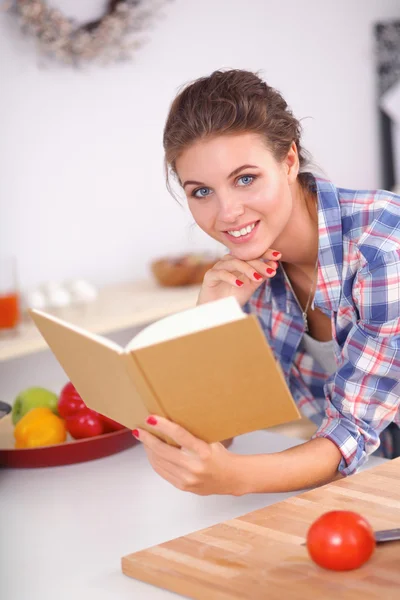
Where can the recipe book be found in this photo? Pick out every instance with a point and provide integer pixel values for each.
(207, 368)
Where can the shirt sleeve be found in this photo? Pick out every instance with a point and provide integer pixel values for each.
(246, 308)
(363, 397)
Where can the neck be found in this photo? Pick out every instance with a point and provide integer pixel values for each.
(298, 242)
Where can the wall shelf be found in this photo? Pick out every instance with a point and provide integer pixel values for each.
(117, 307)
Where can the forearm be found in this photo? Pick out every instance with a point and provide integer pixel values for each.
(311, 464)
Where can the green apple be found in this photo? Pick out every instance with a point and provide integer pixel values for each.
(33, 398)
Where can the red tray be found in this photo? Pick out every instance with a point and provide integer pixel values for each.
(70, 452)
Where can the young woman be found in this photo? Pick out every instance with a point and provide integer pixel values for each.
(320, 267)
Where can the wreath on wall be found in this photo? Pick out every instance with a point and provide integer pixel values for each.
(113, 37)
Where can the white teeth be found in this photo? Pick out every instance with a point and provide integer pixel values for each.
(244, 231)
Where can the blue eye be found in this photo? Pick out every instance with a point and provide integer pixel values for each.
(246, 179)
(201, 192)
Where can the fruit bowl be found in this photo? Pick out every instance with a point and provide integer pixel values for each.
(70, 452)
(183, 270)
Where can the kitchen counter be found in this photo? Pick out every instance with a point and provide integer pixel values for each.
(132, 304)
(65, 529)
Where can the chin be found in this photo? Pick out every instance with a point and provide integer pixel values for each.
(249, 253)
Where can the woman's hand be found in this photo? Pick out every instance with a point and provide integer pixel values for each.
(206, 469)
(231, 276)
(196, 466)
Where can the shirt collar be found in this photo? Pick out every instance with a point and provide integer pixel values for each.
(330, 250)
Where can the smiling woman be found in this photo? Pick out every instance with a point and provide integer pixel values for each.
(330, 308)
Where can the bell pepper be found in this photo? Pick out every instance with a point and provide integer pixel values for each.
(39, 427)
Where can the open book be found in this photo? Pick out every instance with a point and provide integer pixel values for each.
(208, 368)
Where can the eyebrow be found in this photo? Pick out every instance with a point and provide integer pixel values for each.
(235, 172)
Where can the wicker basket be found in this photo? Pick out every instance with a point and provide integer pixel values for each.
(185, 270)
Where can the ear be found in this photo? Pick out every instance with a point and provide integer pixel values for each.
(292, 164)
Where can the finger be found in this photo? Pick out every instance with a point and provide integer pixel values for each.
(253, 269)
(160, 448)
(180, 435)
(175, 480)
(165, 471)
(232, 272)
(181, 478)
(236, 279)
(268, 268)
(213, 278)
(235, 265)
(270, 254)
(159, 462)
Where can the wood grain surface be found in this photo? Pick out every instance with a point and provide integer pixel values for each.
(260, 555)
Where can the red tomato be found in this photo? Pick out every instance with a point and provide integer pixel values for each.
(340, 540)
(110, 425)
(69, 401)
(85, 423)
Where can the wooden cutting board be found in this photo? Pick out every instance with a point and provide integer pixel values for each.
(260, 555)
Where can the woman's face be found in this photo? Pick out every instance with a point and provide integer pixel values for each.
(237, 192)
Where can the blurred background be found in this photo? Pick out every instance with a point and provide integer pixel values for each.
(82, 189)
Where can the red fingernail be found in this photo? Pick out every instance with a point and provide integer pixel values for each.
(276, 254)
(257, 276)
(238, 282)
(151, 420)
(135, 433)
(270, 271)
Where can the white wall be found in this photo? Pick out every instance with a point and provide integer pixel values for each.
(81, 187)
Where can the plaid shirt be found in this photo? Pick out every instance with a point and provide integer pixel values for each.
(358, 287)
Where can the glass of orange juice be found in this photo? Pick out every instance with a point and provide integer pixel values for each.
(9, 295)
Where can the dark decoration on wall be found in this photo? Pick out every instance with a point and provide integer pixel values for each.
(388, 53)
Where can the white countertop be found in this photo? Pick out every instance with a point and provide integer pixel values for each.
(65, 529)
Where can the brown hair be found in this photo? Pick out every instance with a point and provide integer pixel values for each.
(231, 102)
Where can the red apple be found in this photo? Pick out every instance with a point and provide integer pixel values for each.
(85, 423)
(69, 401)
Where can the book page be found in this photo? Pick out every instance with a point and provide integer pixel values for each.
(188, 321)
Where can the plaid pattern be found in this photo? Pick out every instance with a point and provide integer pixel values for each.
(358, 287)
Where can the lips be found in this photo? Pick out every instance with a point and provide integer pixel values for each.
(242, 239)
(243, 226)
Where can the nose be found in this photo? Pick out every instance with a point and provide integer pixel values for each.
(229, 209)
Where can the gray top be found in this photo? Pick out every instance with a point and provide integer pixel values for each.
(322, 352)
